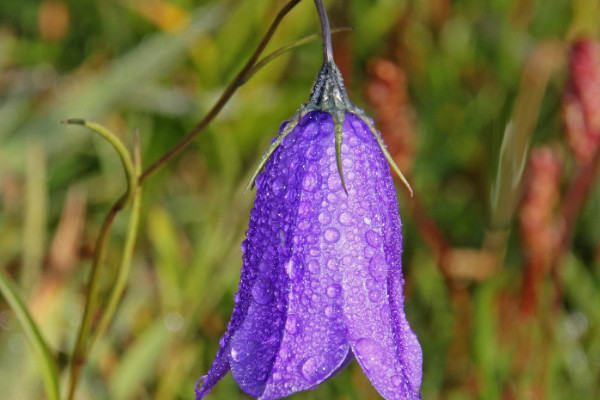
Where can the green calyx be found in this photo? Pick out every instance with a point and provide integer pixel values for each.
(329, 95)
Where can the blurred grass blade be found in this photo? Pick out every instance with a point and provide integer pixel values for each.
(35, 219)
(506, 187)
(40, 348)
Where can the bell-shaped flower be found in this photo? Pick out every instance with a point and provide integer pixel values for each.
(321, 282)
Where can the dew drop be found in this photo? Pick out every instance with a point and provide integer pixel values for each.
(244, 246)
(314, 267)
(345, 219)
(397, 381)
(325, 218)
(331, 235)
(262, 292)
(315, 368)
(378, 268)
(278, 186)
(374, 295)
(334, 182)
(313, 153)
(334, 290)
(242, 350)
(304, 225)
(333, 264)
(293, 325)
(304, 208)
(310, 182)
(369, 352)
(333, 311)
(373, 238)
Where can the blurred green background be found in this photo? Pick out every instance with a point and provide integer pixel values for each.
(442, 79)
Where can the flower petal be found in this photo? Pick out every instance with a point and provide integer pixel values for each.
(380, 337)
(314, 344)
(260, 301)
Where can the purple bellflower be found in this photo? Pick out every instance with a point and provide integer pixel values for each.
(321, 281)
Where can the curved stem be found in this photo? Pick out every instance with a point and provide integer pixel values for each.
(118, 146)
(271, 56)
(229, 91)
(79, 352)
(327, 48)
(125, 267)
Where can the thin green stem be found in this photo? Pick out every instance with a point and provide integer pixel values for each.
(40, 348)
(125, 266)
(283, 49)
(240, 78)
(79, 352)
(118, 146)
(327, 47)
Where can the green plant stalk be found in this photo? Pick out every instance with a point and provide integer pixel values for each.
(118, 146)
(125, 266)
(40, 349)
(79, 352)
(284, 49)
(240, 78)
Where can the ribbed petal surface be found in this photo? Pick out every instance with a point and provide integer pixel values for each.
(368, 253)
(314, 342)
(322, 271)
(254, 332)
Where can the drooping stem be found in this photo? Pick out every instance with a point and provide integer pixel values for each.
(229, 91)
(327, 48)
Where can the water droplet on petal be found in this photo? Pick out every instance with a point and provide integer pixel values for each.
(398, 381)
(373, 238)
(293, 325)
(334, 182)
(242, 350)
(333, 311)
(378, 268)
(345, 219)
(374, 295)
(333, 264)
(314, 267)
(304, 225)
(262, 292)
(315, 368)
(278, 186)
(313, 153)
(325, 218)
(331, 235)
(310, 182)
(369, 352)
(334, 290)
(244, 246)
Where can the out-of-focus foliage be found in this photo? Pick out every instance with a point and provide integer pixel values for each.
(456, 75)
